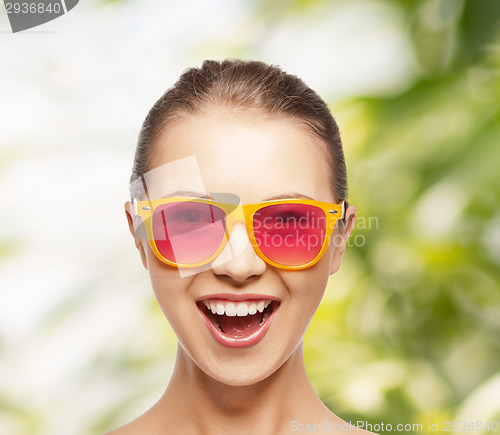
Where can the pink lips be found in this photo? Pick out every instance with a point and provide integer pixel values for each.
(243, 341)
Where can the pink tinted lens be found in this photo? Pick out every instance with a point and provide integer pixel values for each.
(188, 232)
(290, 234)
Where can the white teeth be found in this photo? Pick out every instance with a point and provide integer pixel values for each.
(242, 310)
(230, 310)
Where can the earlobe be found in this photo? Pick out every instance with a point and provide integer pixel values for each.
(137, 240)
(130, 220)
(340, 240)
(350, 219)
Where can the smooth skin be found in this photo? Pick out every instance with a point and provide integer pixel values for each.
(260, 389)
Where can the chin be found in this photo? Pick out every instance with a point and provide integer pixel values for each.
(233, 376)
(248, 368)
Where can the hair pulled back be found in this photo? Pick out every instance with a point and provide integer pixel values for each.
(243, 87)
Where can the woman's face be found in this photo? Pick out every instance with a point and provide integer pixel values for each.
(256, 159)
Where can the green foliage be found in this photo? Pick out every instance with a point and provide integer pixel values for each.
(409, 328)
(422, 309)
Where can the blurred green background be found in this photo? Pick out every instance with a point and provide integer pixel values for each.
(409, 329)
(409, 332)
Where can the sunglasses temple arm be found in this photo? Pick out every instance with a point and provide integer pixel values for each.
(345, 206)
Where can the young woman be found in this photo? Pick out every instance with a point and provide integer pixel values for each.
(239, 214)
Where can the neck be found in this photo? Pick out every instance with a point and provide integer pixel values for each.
(267, 406)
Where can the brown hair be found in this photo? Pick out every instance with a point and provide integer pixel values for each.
(246, 87)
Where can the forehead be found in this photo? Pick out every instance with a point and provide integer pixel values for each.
(253, 157)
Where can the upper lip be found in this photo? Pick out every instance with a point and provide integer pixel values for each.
(237, 297)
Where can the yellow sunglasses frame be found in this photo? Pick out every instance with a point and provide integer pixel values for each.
(239, 213)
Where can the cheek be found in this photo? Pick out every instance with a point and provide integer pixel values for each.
(170, 292)
(306, 287)
(167, 294)
(169, 288)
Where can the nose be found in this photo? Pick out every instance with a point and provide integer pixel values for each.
(238, 259)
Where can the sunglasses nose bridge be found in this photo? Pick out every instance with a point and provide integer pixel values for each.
(238, 257)
(234, 215)
(242, 215)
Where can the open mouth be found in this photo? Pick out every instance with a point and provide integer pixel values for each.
(238, 321)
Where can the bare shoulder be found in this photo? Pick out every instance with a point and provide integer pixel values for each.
(330, 422)
(330, 425)
(152, 422)
(127, 429)
(362, 431)
(119, 431)
(141, 425)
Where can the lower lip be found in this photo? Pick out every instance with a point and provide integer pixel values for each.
(229, 341)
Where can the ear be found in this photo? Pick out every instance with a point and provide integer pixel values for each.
(137, 239)
(340, 238)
